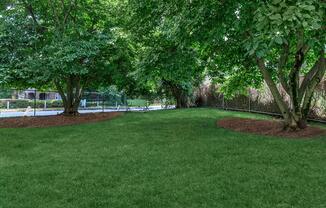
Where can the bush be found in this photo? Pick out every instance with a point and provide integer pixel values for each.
(20, 103)
(137, 102)
(55, 104)
(6, 94)
(25, 103)
(3, 104)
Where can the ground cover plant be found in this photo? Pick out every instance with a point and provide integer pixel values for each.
(176, 158)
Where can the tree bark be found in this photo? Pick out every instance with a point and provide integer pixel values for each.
(295, 115)
(181, 97)
(182, 100)
(71, 95)
(274, 90)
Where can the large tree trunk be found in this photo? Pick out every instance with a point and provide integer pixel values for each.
(181, 97)
(71, 95)
(182, 101)
(295, 121)
(71, 106)
(295, 114)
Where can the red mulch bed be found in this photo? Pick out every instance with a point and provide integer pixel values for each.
(270, 128)
(59, 120)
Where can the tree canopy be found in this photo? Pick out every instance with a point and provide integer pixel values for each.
(71, 45)
(167, 47)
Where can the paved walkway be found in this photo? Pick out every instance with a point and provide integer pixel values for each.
(6, 114)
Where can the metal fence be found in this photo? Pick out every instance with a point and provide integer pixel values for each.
(259, 101)
(32, 102)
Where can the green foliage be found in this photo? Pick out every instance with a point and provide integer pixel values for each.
(22, 103)
(17, 40)
(50, 42)
(137, 102)
(5, 94)
(167, 64)
(155, 48)
(54, 104)
(278, 22)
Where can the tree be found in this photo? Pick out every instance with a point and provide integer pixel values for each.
(77, 45)
(288, 41)
(168, 63)
(284, 40)
(175, 71)
(17, 37)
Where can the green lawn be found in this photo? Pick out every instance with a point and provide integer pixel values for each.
(166, 159)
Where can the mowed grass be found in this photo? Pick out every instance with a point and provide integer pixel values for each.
(165, 159)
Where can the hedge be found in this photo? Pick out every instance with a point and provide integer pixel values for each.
(25, 103)
(51, 103)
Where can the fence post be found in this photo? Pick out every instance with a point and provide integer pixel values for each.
(147, 104)
(35, 103)
(103, 103)
(126, 100)
(116, 102)
(225, 107)
(249, 97)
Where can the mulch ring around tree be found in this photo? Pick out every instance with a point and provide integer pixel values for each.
(269, 128)
(59, 120)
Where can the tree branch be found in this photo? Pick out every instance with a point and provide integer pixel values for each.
(68, 11)
(55, 14)
(273, 88)
(281, 66)
(30, 10)
(311, 74)
(308, 91)
(61, 91)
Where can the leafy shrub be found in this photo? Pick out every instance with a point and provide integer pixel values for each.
(20, 104)
(5, 94)
(55, 104)
(25, 103)
(137, 102)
